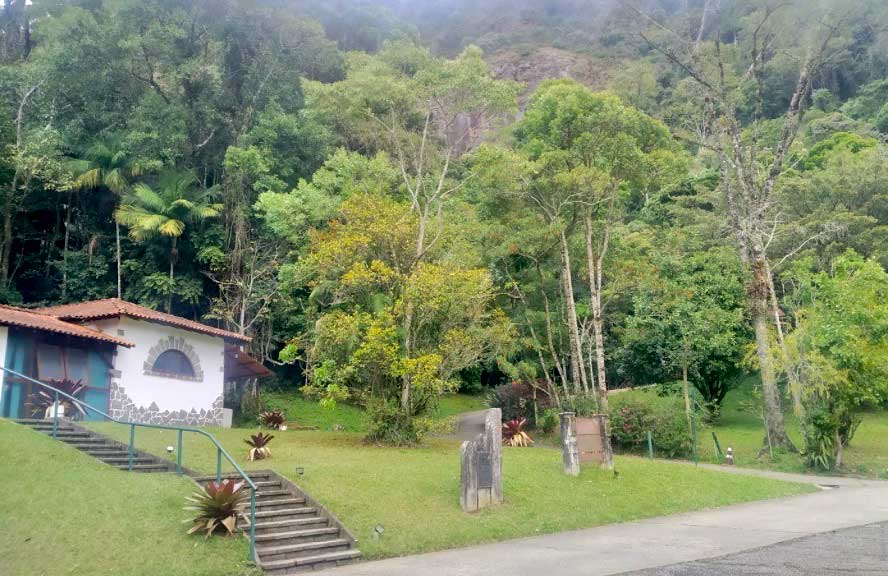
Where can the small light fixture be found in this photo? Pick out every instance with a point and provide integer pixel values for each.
(170, 449)
(729, 457)
(300, 471)
(377, 531)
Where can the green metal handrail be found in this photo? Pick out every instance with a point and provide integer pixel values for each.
(220, 451)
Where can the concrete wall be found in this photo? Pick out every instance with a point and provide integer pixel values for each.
(140, 395)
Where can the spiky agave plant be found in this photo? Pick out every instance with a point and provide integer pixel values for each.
(218, 507)
(39, 404)
(259, 446)
(273, 419)
(514, 434)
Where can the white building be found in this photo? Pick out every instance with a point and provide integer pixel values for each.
(170, 370)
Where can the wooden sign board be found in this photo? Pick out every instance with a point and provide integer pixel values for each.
(592, 439)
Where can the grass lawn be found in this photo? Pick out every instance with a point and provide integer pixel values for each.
(63, 512)
(413, 493)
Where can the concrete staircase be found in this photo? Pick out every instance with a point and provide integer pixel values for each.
(294, 533)
(101, 447)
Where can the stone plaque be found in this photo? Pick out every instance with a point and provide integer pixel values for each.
(592, 441)
(485, 470)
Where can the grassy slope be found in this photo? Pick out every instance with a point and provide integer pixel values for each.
(740, 427)
(413, 493)
(62, 512)
(307, 412)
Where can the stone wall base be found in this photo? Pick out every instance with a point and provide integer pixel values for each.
(123, 408)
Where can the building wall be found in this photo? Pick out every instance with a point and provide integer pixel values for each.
(4, 335)
(140, 395)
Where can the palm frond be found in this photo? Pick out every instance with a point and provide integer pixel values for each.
(171, 227)
(145, 196)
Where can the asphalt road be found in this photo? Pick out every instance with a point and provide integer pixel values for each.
(862, 550)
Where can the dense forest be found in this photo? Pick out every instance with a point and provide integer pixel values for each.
(397, 199)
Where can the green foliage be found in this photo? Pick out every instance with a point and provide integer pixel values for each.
(633, 414)
(520, 401)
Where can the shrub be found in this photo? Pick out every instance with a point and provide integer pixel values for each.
(516, 400)
(389, 425)
(548, 421)
(259, 446)
(514, 434)
(633, 414)
(217, 506)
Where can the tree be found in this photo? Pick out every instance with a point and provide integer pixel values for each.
(107, 163)
(176, 202)
(838, 349)
(363, 284)
(425, 112)
(750, 160)
(591, 153)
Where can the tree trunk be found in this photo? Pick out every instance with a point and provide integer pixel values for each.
(773, 410)
(578, 370)
(408, 310)
(596, 268)
(840, 450)
(6, 249)
(117, 241)
(173, 254)
(686, 391)
(65, 248)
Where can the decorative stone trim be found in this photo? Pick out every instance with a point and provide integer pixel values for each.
(173, 343)
(123, 408)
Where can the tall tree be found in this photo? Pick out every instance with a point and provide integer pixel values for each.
(165, 210)
(107, 163)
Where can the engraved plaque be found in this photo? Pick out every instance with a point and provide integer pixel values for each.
(485, 470)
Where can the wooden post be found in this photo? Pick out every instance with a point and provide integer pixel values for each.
(481, 465)
(570, 454)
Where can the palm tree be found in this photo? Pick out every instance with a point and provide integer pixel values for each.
(107, 163)
(165, 211)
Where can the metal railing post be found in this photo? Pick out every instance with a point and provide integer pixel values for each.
(132, 446)
(253, 525)
(179, 454)
(218, 465)
(650, 446)
(55, 416)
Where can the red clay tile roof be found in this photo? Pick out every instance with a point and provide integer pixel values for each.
(12, 316)
(239, 364)
(113, 307)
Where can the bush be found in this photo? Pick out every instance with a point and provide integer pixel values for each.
(632, 414)
(516, 400)
(389, 425)
(548, 421)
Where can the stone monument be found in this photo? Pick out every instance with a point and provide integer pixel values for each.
(570, 454)
(481, 462)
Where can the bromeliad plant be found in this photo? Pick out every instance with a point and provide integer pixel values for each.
(259, 446)
(39, 404)
(273, 419)
(218, 507)
(514, 434)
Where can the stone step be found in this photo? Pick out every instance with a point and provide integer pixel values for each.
(265, 495)
(274, 526)
(125, 459)
(267, 483)
(143, 467)
(102, 451)
(315, 561)
(86, 447)
(289, 551)
(254, 476)
(286, 512)
(307, 534)
(88, 440)
(269, 505)
(48, 428)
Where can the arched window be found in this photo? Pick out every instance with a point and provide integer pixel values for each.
(173, 362)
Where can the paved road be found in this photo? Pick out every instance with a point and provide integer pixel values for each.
(656, 542)
(861, 551)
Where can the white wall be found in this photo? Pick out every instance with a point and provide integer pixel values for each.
(4, 334)
(168, 393)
